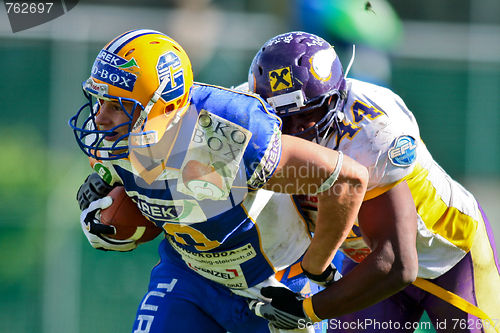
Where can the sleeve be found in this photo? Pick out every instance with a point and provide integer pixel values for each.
(396, 144)
(394, 161)
(386, 144)
(237, 135)
(263, 152)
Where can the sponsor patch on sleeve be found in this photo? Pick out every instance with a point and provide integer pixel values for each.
(403, 151)
(269, 161)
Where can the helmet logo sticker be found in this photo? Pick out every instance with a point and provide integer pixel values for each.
(403, 152)
(100, 89)
(115, 60)
(169, 68)
(129, 64)
(108, 68)
(280, 79)
(321, 64)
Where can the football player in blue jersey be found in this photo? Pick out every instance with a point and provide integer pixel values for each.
(206, 164)
(421, 242)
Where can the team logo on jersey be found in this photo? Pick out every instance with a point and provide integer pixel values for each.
(280, 79)
(403, 152)
(213, 157)
(169, 68)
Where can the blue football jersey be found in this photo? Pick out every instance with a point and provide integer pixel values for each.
(201, 184)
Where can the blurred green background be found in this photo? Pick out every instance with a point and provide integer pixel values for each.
(442, 57)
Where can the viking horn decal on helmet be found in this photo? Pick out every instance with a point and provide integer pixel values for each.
(315, 71)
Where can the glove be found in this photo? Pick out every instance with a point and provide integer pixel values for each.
(285, 310)
(329, 276)
(96, 232)
(93, 188)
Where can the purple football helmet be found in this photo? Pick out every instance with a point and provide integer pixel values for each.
(296, 72)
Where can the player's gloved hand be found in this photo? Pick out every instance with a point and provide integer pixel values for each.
(96, 232)
(330, 275)
(93, 188)
(285, 310)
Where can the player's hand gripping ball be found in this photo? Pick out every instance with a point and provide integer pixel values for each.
(127, 219)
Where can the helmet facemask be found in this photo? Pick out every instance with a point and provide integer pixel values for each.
(92, 139)
(330, 104)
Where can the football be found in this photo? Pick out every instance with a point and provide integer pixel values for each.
(124, 215)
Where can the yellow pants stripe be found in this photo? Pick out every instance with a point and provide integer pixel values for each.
(453, 299)
(486, 284)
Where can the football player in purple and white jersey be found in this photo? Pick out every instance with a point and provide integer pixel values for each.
(422, 241)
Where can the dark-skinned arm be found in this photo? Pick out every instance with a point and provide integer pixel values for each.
(389, 225)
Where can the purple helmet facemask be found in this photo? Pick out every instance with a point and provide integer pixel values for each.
(296, 72)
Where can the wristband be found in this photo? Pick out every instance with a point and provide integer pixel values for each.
(328, 183)
(309, 310)
(326, 276)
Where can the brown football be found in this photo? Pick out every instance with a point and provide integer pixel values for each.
(126, 217)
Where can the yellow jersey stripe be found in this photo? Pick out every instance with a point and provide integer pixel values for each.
(438, 217)
(373, 193)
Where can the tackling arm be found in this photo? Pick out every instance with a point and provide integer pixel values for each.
(389, 225)
(303, 169)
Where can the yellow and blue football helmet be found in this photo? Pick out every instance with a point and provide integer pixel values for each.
(144, 68)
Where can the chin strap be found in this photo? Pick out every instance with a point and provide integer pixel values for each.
(145, 112)
(338, 116)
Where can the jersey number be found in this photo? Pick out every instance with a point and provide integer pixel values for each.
(187, 235)
(359, 111)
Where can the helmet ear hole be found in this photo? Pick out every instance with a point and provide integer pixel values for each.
(169, 108)
(182, 101)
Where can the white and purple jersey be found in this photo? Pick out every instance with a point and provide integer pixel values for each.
(380, 132)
